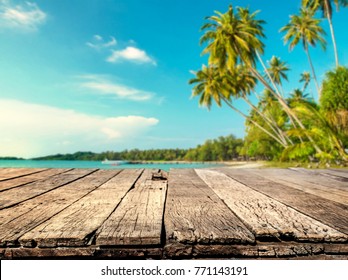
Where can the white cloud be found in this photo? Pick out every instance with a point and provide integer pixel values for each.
(25, 17)
(102, 85)
(99, 43)
(30, 130)
(130, 54)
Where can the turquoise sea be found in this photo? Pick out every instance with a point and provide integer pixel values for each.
(98, 164)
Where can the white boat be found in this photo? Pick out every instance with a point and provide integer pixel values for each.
(113, 162)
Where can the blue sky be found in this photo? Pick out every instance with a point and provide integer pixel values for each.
(113, 74)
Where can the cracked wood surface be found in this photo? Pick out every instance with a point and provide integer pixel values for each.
(195, 214)
(329, 212)
(287, 178)
(25, 179)
(16, 195)
(74, 225)
(9, 173)
(334, 174)
(18, 220)
(138, 219)
(266, 217)
(225, 213)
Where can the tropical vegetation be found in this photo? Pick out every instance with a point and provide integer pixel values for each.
(220, 149)
(279, 125)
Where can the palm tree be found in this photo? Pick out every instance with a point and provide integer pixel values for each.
(211, 86)
(235, 38)
(298, 96)
(277, 70)
(305, 79)
(326, 7)
(232, 40)
(241, 83)
(306, 29)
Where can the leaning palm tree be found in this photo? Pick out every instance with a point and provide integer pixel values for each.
(305, 28)
(211, 86)
(326, 7)
(277, 70)
(235, 38)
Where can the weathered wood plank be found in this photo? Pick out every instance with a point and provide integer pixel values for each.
(328, 212)
(260, 250)
(287, 178)
(269, 251)
(138, 218)
(315, 178)
(19, 181)
(18, 220)
(76, 225)
(266, 217)
(90, 252)
(9, 173)
(14, 196)
(195, 214)
(338, 175)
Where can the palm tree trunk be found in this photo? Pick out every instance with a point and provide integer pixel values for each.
(267, 73)
(313, 71)
(271, 123)
(282, 102)
(329, 19)
(253, 122)
(286, 108)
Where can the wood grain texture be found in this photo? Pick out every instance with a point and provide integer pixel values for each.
(287, 178)
(337, 175)
(266, 217)
(9, 173)
(271, 251)
(14, 196)
(341, 176)
(315, 178)
(328, 212)
(138, 218)
(18, 220)
(76, 225)
(81, 253)
(19, 181)
(195, 214)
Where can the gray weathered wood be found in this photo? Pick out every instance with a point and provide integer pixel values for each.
(195, 214)
(99, 215)
(314, 177)
(328, 212)
(19, 181)
(266, 217)
(138, 218)
(76, 225)
(337, 175)
(283, 177)
(8, 173)
(14, 196)
(19, 219)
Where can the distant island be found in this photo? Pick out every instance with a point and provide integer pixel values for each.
(220, 149)
(10, 158)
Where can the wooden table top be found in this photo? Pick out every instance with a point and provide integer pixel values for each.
(186, 213)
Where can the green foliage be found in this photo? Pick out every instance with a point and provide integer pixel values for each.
(293, 129)
(334, 101)
(221, 149)
(258, 144)
(335, 90)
